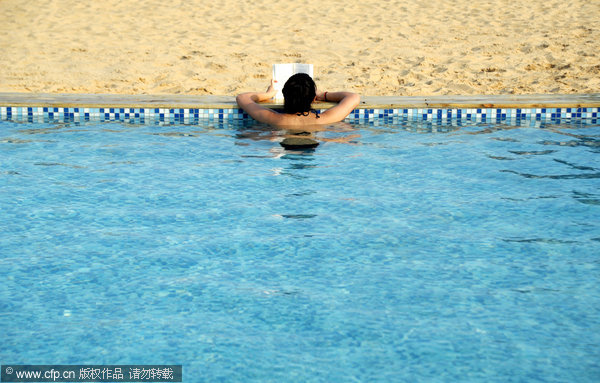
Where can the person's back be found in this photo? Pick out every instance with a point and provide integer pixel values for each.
(299, 92)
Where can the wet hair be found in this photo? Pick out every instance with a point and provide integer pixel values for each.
(299, 92)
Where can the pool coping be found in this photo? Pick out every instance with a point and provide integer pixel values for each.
(367, 102)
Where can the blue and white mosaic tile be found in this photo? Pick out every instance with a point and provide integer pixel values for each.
(187, 116)
(484, 115)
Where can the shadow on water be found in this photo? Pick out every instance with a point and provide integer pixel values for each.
(297, 145)
(295, 162)
(308, 137)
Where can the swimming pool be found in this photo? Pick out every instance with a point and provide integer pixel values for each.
(399, 251)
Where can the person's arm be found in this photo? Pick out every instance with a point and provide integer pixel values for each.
(347, 101)
(249, 103)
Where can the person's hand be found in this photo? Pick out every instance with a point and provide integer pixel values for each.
(271, 92)
(320, 96)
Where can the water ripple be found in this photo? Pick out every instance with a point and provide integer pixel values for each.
(530, 198)
(531, 289)
(550, 241)
(555, 177)
(15, 141)
(58, 164)
(575, 166)
(532, 153)
(586, 198)
(500, 158)
(299, 216)
(589, 142)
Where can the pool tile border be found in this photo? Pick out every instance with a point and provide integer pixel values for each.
(187, 109)
(192, 116)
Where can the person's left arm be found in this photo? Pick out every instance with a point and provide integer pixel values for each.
(249, 103)
(346, 102)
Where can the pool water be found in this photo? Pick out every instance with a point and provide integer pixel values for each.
(391, 252)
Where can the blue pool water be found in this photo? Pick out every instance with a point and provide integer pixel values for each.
(406, 252)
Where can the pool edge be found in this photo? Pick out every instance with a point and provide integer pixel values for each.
(367, 102)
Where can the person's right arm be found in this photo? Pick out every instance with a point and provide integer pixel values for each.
(249, 102)
(347, 101)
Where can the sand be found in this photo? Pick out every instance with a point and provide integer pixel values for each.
(374, 47)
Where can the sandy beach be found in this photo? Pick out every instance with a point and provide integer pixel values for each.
(374, 47)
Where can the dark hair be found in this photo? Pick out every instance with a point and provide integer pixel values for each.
(299, 92)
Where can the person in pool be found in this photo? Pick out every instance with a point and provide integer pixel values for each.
(299, 92)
